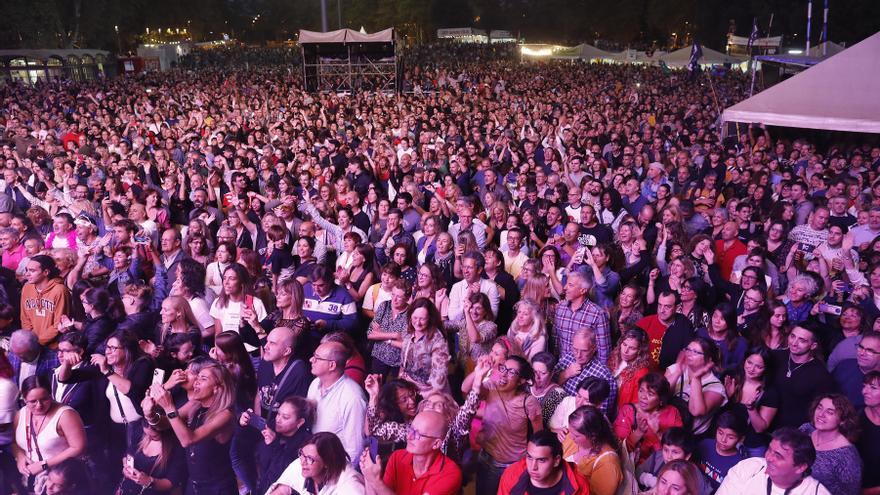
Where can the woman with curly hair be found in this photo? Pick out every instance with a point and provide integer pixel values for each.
(629, 362)
(833, 428)
(391, 409)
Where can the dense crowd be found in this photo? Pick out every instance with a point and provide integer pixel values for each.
(537, 279)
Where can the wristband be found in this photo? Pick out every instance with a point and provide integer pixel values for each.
(172, 415)
(45, 466)
(109, 372)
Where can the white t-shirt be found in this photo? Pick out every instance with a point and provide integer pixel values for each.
(750, 476)
(230, 316)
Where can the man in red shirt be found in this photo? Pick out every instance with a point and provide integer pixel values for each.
(728, 248)
(669, 331)
(543, 470)
(420, 468)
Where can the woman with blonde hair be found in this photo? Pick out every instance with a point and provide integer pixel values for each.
(529, 328)
(204, 428)
(537, 288)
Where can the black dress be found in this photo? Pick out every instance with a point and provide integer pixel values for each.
(209, 463)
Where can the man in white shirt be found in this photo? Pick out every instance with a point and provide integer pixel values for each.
(782, 471)
(472, 264)
(340, 400)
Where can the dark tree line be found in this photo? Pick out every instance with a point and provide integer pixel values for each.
(91, 23)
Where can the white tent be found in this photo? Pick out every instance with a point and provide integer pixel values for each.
(630, 56)
(682, 57)
(820, 50)
(346, 36)
(840, 93)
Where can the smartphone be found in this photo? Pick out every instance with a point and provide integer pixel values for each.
(830, 309)
(129, 462)
(158, 376)
(374, 449)
(257, 421)
(139, 239)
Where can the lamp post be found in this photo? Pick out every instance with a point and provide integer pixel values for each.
(118, 41)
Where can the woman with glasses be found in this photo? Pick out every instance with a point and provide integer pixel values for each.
(323, 468)
(391, 409)
(510, 414)
(156, 464)
(46, 433)
(124, 373)
(694, 384)
(204, 426)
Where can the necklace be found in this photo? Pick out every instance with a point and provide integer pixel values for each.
(790, 371)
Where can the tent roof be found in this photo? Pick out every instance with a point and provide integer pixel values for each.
(632, 56)
(346, 36)
(590, 52)
(682, 57)
(839, 93)
(833, 49)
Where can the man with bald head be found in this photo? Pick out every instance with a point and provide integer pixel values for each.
(418, 469)
(280, 374)
(341, 404)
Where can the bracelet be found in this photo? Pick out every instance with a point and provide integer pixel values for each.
(109, 372)
(172, 414)
(45, 465)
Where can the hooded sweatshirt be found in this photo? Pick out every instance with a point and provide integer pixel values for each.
(41, 310)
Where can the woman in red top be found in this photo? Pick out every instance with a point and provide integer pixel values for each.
(642, 423)
(629, 362)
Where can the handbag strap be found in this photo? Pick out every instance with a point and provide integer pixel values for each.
(119, 405)
(33, 436)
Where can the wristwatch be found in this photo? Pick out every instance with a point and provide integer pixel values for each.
(172, 415)
(109, 372)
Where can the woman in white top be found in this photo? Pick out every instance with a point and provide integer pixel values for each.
(46, 433)
(225, 255)
(235, 306)
(693, 381)
(323, 468)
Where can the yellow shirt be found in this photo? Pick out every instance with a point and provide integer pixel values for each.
(602, 470)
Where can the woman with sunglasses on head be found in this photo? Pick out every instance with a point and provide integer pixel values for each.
(156, 464)
(124, 374)
(204, 427)
(46, 433)
(323, 468)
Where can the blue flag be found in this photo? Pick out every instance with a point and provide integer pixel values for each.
(696, 55)
(753, 37)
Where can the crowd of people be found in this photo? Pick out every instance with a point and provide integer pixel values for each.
(533, 279)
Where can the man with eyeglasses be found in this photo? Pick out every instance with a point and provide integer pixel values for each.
(418, 469)
(582, 361)
(341, 404)
(850, 374)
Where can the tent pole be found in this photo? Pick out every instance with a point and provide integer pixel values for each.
(809, 22)
(825, 30)
(324, 16)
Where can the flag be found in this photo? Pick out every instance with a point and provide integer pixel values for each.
(753, 37)
(696, 55)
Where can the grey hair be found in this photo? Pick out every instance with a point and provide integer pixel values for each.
(585, 332)
(585, 276)
(809, 282)
(477, 257)
(24, 338)
(9, 231)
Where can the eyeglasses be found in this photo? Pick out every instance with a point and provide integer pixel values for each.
(694, 351)
(306, 459)
(504, 370)
(319, 358)
(752, 299)
(112, 347)
(416, 434)
(867, 349)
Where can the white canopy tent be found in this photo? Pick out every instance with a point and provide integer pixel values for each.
(839, 94)
(346, 36)
(682, 57)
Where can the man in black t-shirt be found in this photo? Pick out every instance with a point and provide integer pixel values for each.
(280, 375)
(799, 376)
